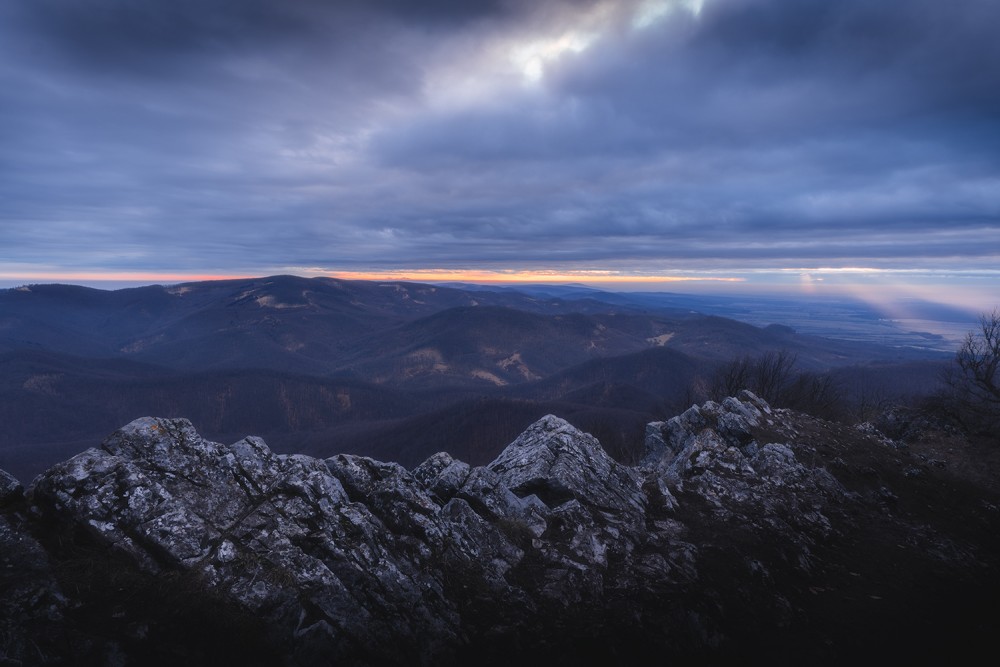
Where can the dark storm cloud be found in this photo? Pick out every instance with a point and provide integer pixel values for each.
(114, 29)
(258, 133)
(169, 37)
(795, 113)
(756, 74)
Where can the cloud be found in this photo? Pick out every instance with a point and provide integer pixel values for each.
(225, 134)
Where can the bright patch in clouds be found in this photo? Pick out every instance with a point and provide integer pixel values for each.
(654, 11)
(530, 54)
(531, 58)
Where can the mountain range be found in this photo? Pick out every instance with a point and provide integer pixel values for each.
(324, 365)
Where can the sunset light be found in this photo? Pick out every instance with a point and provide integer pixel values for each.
(472, 276)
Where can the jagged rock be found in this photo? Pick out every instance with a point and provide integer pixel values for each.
(558, 463)
(277, 533)
(442, 475)
(712, 454)
(10, 487)
(484, 492)
(731, 425)
(553, 544)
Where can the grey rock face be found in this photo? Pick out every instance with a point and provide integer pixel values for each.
(278, 534)
(558, 463)
(732, 423)
(10, 488)
(709, 454)
(355, 560)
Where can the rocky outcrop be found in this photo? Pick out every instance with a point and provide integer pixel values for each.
(552, 549)
(10, 487)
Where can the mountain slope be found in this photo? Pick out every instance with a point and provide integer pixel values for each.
(51, 403)
(499, 346)
(283, 356)
(319, 325)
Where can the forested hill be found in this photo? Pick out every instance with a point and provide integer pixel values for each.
(323, 365)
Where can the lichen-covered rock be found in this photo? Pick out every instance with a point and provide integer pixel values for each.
(729, 524)
(278, 534)
(558, 463)
(711, 453)
(732, 423)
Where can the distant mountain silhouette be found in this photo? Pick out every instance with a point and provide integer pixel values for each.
(323, 364)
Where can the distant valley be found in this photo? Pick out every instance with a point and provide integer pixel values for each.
(899, 323)
(397, 370)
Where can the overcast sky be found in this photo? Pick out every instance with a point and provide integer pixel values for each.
(691, 138)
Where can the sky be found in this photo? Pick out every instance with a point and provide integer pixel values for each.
(807, 145)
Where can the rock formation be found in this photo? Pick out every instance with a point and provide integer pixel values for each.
(744, 530)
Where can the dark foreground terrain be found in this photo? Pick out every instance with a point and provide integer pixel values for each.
(746, 533)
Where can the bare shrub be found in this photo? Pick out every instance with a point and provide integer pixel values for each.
(973, 381)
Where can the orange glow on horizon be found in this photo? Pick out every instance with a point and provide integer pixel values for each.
(413, 275)
(437, 275)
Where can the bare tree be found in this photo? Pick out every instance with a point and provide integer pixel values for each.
(773, 374)
(773, 377)
(979, 358)
(974, 380)
(816, 394)
(731, 377)
(769, 376)
(869, 397)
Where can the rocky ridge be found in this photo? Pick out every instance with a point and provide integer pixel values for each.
(744, 528)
